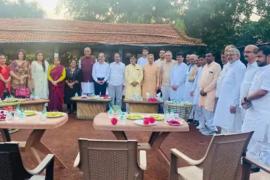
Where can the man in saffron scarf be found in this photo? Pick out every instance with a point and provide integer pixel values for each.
(56, 76)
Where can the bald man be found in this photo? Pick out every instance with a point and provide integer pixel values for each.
(86, 64)
(250, 54)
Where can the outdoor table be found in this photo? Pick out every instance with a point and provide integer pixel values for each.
(159, 132)
(33, 143)
(142, 106)
(27, 104)
(89, 107)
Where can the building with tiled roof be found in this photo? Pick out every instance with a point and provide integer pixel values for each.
(63, 35)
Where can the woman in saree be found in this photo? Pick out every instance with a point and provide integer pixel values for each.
(56, 76)
(20, 76)
(72, 85)
(39, 72)
(4, 78)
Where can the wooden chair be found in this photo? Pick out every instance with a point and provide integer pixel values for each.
(11, 165)
(110, 160)
(262, 175)
(221, 161)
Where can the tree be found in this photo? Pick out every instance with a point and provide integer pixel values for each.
(123, 11)
(20, 9)
(215, 22)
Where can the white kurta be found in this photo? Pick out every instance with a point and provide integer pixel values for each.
(178, 78)
(249, 75)
(229, 96)
(40, 79)
(257, 117)
(196, 87)
(220, 78)
(189, 84)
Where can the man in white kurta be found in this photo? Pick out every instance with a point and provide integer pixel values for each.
(177, 79)
(227, 112)
(165, 73)
(190, 79)
(257, 103)
(196, 112)
(250, 54)
(222, 74)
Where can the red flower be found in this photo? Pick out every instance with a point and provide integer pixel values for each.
(114, 121)
(151, 120)
(146, 121)
(152, 100)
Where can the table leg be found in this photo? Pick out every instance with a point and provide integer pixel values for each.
(5, 135)
(156, 143)
(34, 144)
(120, 135)
(153, 137)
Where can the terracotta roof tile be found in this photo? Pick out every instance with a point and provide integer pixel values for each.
(66, 31)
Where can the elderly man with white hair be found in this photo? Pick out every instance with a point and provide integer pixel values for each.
(165, 73)
(86, 64)
(227, 112)
(190, 79)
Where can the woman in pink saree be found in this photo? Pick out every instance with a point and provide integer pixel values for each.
(56, 76)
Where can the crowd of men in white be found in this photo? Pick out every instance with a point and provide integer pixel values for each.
(225, 100)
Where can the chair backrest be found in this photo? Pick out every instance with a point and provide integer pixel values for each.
(11, 166)
(108, 159)
(224, 155)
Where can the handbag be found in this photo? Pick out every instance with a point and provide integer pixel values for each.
(23, 92)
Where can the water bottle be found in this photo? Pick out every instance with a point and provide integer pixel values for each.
(44, 114)
(19, 112)
(123, 118)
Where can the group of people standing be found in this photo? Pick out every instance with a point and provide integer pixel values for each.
(39, 79)
(231, 99)
(236, 98)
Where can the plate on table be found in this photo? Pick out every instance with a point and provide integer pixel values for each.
(30, 113)
(174, 123)
(135, 116)
(55, 114)
(158, 117)
(140, 122)
(10, 100)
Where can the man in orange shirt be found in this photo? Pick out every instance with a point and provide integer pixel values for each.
(207, 85)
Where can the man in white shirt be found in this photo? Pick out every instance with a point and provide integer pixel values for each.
(227, 112)
(250, 54)
(100, 75)
(143, 60)
(177, 78)
(257, 103)
(116, 80)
